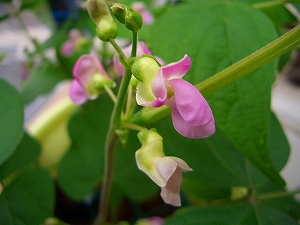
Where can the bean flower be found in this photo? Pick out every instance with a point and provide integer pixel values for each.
(163, 85)
(90, 79)
(165, 171)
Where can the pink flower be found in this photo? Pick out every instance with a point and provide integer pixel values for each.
(89, 79)
(68, 48)
(191, 114)
(141, 9)
(165, 171)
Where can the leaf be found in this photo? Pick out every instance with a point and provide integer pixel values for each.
(42, 80)
(28, 195)
(81, 170)
(11, 120)
(219, 34)
(27, 151)
(242, 213)
(28, 199)
(217, 165)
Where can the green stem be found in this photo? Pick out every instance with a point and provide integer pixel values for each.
(134, 44)
(283, 44)
(120, 52)
(110, 150)
(278, 194)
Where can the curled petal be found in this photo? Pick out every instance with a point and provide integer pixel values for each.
(77, 94)
(190, 103)
(191, 114)
(188, 130)
(159, 89)
(170, 169)
(177, 69)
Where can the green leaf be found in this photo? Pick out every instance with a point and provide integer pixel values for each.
(215, 34)
(238, 214)
(42, 80)
(11, 120)
(27, 151)
(81, 170)
(28, 199)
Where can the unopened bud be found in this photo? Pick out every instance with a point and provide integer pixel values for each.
(97, 9)
(126, 15)
(119, 11)
(107, 28)
(100, 14)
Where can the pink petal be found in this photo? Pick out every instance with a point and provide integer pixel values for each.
(67, 49)
(177, 69)
(188, 130)
(171, 192)
(77, 94)
(159, 90)
(86, 67)
(190, 103)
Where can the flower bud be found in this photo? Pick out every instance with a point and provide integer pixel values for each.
(100, 14)
(106, 29)
(97, 9)
(119, 11)
(126, 15)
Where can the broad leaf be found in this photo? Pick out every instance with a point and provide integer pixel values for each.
(27, 151)
(215, 34)
(11, 120)
(28, 199)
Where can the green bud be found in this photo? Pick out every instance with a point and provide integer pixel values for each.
(100, 14)
(106, 29)
(97, 9)
(119, 11)
(126, 15)
(133, 21)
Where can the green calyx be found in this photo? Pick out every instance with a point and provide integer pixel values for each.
(145, 67)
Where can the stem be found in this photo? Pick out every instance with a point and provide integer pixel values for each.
(110, 93)
(110, 150)
(134, 44)
(120, 52)
(281, 45)
(278, 194)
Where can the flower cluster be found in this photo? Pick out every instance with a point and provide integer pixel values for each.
(156, 85)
